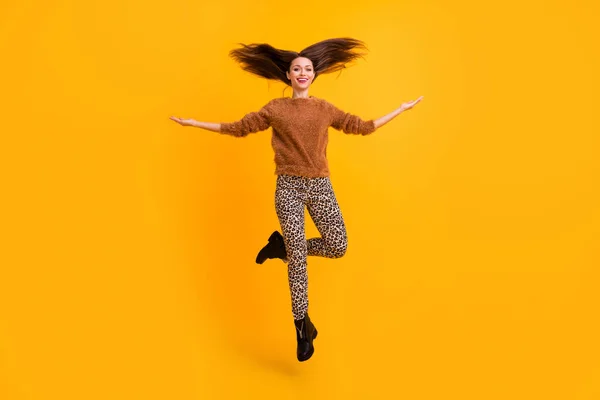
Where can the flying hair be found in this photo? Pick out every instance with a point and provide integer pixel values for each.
(327, 56)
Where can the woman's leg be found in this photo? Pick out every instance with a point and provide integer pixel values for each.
(326, 214)
(290, 196)
(318, 195)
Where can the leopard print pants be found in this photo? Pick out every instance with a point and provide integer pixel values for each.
(292, 195)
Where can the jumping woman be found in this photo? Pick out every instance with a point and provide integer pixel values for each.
(300, 133)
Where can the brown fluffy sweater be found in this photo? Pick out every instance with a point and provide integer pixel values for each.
(300, 132)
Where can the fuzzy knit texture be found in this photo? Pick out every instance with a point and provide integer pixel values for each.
(300, 132)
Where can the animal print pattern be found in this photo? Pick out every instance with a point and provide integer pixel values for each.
(292, 195)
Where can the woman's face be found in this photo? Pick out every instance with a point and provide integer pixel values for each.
(301, 73)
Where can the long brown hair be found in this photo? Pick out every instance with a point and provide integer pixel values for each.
(327, 56)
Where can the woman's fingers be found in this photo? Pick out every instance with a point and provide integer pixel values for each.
(412, 103)
(178, 120)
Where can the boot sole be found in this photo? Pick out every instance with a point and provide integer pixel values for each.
(261, 257)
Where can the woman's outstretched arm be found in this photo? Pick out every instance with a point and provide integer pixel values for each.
(210, 126)
(350, 123)
(250, 123)
(379, 122)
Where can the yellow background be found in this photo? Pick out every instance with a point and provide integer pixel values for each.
(127, 262)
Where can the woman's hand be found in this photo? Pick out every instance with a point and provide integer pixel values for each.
(184, 122)
(410, 104)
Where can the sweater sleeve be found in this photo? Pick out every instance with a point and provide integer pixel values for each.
(349, 123)
(250, 123)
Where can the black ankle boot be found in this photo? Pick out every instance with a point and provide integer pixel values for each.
(305, 334)
(274, 249)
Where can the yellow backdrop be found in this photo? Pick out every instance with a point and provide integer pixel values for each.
(128, 246)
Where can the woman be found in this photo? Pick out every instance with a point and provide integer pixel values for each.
(300, 131)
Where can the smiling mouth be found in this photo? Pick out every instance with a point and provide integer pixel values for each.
(302, 80)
